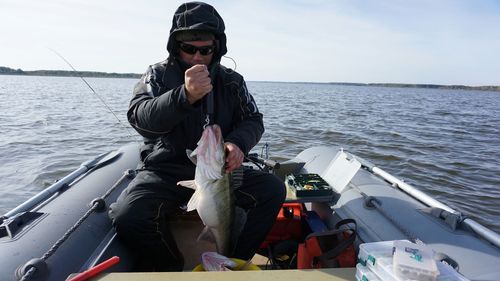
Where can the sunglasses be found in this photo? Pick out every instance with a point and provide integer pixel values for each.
(190, 49)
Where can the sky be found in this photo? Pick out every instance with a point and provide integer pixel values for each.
(449, 42)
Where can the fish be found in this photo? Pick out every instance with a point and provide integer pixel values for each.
(212, 261)
(213, 197)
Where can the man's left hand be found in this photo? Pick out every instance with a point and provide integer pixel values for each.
(234, 156)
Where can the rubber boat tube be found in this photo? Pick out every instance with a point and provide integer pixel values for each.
(479, 229)
(51, 190)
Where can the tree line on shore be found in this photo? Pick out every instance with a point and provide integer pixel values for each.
(11, 71)
(65, 73)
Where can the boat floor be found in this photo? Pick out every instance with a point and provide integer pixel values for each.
(186, 230)
(186, 227)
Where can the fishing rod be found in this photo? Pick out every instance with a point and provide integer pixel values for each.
(93, 91)
(106, 105)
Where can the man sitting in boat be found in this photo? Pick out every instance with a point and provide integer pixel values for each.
(169, 108)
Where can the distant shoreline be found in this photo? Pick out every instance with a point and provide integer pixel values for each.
(93, 74)
(66, 73)
(402, 85)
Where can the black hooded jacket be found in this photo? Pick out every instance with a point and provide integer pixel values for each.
(160, 112)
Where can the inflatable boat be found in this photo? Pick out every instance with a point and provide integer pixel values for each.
(65, 228)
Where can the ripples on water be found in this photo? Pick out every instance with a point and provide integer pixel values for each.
(445, 142)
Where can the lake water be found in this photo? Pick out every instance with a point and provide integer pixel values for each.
(444, 142)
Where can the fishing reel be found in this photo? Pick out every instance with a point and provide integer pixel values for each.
(263, 162)
(266, 165)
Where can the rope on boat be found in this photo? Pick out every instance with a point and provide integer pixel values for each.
(373, 201)
(28, 274)
(97, 204)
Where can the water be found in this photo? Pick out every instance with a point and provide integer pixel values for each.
(444, 142)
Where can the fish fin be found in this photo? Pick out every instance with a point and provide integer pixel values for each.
(191, 157)
(193, 202)
(189, 184)
(236, 177)
(206, 235)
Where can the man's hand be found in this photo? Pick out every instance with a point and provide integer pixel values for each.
(234, 156)
(197, 82)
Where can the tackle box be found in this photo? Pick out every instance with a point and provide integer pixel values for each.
(380, 258)
(308, 185)
(413, 261)
(369, 253)
(364, 274)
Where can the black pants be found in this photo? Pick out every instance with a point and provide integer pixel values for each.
(139, 216)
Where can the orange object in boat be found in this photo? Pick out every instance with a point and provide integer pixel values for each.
(288, 225)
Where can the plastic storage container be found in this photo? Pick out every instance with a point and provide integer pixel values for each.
(414, 262)
(377, 257)
(309, 185)
(364, 274)
(369, 252)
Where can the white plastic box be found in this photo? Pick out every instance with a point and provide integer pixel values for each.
(377, 257)
(370, 252)
(340, 171)
(414, 262)
(364, 274)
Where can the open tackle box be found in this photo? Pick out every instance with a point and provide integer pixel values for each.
(308, 185)
(311, 187)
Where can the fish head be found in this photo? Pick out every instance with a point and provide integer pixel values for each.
(210, 153)
(213, 261)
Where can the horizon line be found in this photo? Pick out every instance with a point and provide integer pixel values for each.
(102, 74)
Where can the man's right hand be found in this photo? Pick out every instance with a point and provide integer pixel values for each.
(197, 82)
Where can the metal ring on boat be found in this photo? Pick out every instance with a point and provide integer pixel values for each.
(369, 204)
(99, 203)
(40, 267)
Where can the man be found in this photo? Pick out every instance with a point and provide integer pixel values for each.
(169, 109)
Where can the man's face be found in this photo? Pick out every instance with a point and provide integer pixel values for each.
(192, 52)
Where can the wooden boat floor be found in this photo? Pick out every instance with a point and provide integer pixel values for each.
(186, 229)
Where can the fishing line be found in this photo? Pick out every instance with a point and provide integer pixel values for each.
(136, 126)
(230, 71)
(93, 91)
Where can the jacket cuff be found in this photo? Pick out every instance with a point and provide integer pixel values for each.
(238, 144)
(183, 101)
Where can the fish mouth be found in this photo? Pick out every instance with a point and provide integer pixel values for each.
(210, 153)
(216, 131)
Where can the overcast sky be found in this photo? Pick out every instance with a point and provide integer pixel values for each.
(395, 41)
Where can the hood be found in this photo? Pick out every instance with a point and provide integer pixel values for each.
(198, 16)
